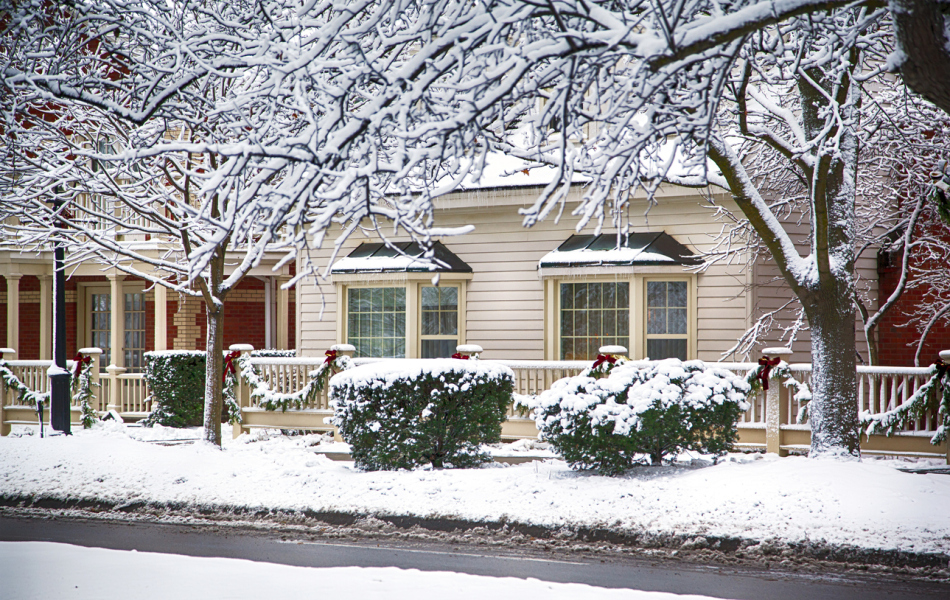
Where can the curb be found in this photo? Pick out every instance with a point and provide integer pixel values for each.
(734, 547)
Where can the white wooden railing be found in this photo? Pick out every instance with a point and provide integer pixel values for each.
(770, 422)
(120, 391)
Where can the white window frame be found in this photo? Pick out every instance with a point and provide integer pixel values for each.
(637, 350)
(413, 283)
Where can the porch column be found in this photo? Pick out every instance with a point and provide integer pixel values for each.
(46, 317)
(283, 313)
(161, 315)
(117, 320)
(13, 311)
(776, 411)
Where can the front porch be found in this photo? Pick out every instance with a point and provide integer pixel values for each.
(770, 424)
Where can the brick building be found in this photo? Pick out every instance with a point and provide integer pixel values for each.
(112, 310)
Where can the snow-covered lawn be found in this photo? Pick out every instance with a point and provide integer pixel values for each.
(868, 504)
(145, 576)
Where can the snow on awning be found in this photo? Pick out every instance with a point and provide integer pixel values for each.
(402, 257)
(636, 249)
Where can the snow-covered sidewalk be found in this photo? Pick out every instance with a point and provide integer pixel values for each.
(145, 576)
(869, 504)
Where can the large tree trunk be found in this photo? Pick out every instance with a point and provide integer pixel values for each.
(925, 50)
(833, 410)
(213, 374)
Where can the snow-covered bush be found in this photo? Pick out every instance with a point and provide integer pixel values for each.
(176, 384)
(641, 410)
(401, 414)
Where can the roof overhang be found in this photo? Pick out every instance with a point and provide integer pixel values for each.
(633, 250)
(401, 257)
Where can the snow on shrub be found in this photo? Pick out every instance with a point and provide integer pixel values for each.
(641, 410)
(401, 414)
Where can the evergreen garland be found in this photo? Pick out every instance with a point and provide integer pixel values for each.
(25, 396)
(924, 399)
(271, 400)
(230, 402)
(783, 373)
(82, 394)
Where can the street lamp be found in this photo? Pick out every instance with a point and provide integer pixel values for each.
(59, 377)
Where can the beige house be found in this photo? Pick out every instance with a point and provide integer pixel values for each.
(542, 293)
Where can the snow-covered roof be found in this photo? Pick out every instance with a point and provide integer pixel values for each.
(504, 171)
(635, 249)
(400, 257)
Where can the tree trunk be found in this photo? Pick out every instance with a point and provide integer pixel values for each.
(833, 410)
(213, 373)
(925, 58)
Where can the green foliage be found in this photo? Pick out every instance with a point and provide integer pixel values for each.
(415, 414)
(83, 395)
(932, 395)
(641, 412)
(176, 382)
(25, 396)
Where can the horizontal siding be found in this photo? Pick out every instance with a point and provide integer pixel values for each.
(505, 294)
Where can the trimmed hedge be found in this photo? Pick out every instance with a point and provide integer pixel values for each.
(402, 414)
(176, 382)
(642, 411)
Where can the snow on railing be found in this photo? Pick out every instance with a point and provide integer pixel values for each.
(879, 388)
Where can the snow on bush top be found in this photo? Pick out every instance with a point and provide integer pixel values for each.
(637, 385)
(382, 373)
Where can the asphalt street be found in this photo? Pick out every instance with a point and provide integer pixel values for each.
(307, 550)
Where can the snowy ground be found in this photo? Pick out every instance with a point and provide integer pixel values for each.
(145, 576)
(867, 504)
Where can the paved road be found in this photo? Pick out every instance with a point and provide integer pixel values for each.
(614, 572)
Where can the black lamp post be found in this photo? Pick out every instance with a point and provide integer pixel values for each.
(59, 376)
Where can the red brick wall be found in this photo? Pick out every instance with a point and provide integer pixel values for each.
(897, 345)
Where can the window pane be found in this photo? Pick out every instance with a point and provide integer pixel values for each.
(438, 348)
(400, 299)
(594, 296)
(567, 296)
(450, 298)
(430, 298)
(389, 299)
(623, 295)
(593, 323)
(450, 323)
(656, 293)
(399, 331)
(677, 294)
(580, 295)
(677, 320)
(658, 349)
(656, 320)
(430, 323)
(610, 295)
(623, 326)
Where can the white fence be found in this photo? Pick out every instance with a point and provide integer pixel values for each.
(769, 424)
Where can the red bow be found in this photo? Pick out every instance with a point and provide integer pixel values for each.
(331, 356)
(767, 363)
(80, 360)
(229, 365)
(604, 358)
(460, 356)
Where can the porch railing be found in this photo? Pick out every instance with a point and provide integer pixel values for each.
(770, 423)
(122, 392)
